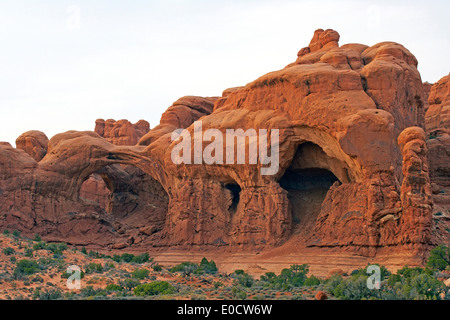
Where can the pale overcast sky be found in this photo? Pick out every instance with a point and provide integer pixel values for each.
(64, 64)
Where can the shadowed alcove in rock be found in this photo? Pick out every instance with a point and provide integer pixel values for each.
(128, 194)
(307, 181)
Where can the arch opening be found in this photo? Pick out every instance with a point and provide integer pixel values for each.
(307, 181)
(127, 195)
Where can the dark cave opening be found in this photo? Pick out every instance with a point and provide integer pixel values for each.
(307, 186)
(235, 190)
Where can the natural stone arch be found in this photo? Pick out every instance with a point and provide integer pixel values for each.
(135, 204)
(333, 158)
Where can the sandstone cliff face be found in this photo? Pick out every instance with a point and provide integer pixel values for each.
(437, 122)
(353, 165)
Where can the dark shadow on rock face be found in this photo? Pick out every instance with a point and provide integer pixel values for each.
(130, 197)
(235, 192)
(307, 186)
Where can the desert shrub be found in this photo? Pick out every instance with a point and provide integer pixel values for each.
(407, 272)
(94, 254)
(268, 276)
(29, 252)
(245, 280)
(295, 276)
(39, 245)
(57, 248)
(140, 273)
(109, 265)
(300, 268)
(44, 263)
(9, 251)
(186, 268)
(127, 257)
(154, 288)
(239, 293)
(412, 283)
(407, 284)
(217, 284)
(312, 281)
(157, 268)
(6, 232)
(129, 284)
(439, 258)
(142, 258)
(90, 291)
(37, 238)
(113, 287)
(25, 267)
(239, 272)
(83, 250)
(208, 266)
(51, 294)
(94, 268)
(37, 279)
(16, 233)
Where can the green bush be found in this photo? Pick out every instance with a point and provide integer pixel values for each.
(25, 267)
(238, 293)
(439, 258)
(154, 288)
(140, 273)
(312, 281)
(94, 268)
(29, 252)
(268, 276)
(295, 276)
(187, 268)
(89, 291)
(407, 284)
(37, 238)
(129, 284)
(51, 294)
(16, 233)
(9, 251)
(245, 280)
(39, 246)
(127, 257)
(157, 268)
(300, 268)
(208, 266)
(142, 258)
(113, 287)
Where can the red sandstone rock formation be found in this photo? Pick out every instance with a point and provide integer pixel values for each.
(437, 122)
(34, 143)
(122, 132)
(346, 179)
